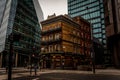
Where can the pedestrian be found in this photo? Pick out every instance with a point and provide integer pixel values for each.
(6, 69)
(40, 66)
(25, 63)
(30, 70)
(63, 65)
(35, 69)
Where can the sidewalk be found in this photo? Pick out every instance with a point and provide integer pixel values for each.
(22, 72)
(97, 71)
(16, 72)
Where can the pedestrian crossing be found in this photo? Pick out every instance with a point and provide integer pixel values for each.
(36, 79)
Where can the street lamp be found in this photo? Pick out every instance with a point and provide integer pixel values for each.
(92, 49)
(12, 38)
(42, 49)
(10, 57)
(63, 62)
(64, 48)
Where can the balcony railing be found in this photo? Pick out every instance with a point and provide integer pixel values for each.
(51, 30)
(51, 41)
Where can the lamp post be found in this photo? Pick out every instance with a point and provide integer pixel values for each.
(31, 66)
(92, 48)
(64, 48)
(93, 61)
(42, 49)
(63, 62)
(10, 57)
(12, 38)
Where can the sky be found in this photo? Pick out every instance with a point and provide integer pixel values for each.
(49, 7)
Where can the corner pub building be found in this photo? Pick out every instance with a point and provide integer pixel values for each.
(66, 42)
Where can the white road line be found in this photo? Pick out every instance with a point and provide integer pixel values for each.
(35, 79)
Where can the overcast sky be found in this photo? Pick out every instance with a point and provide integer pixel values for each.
(49, 7)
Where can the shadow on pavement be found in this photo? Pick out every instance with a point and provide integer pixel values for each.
(70, 76)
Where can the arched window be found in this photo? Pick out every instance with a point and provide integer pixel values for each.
(50, 37)
(57, 35)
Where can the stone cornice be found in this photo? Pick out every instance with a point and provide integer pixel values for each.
(60, 18)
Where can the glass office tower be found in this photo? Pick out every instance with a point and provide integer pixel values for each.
(20, 17)
(93, 11)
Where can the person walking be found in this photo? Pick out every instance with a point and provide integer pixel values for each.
(30, 69)
(63, 65)
(6, 69)
(35, 69)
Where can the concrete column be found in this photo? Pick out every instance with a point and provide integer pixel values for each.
(16, 60)
(1, 57)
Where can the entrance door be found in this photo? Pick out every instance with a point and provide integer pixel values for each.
(48, 64)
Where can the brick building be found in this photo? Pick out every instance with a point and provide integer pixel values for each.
(65, 42)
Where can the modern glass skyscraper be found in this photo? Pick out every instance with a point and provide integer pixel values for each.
(93, 11)
(20, 17)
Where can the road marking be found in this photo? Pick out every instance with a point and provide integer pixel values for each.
(35, 79)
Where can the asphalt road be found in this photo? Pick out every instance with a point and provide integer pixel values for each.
(24, 74)
(70, 76)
